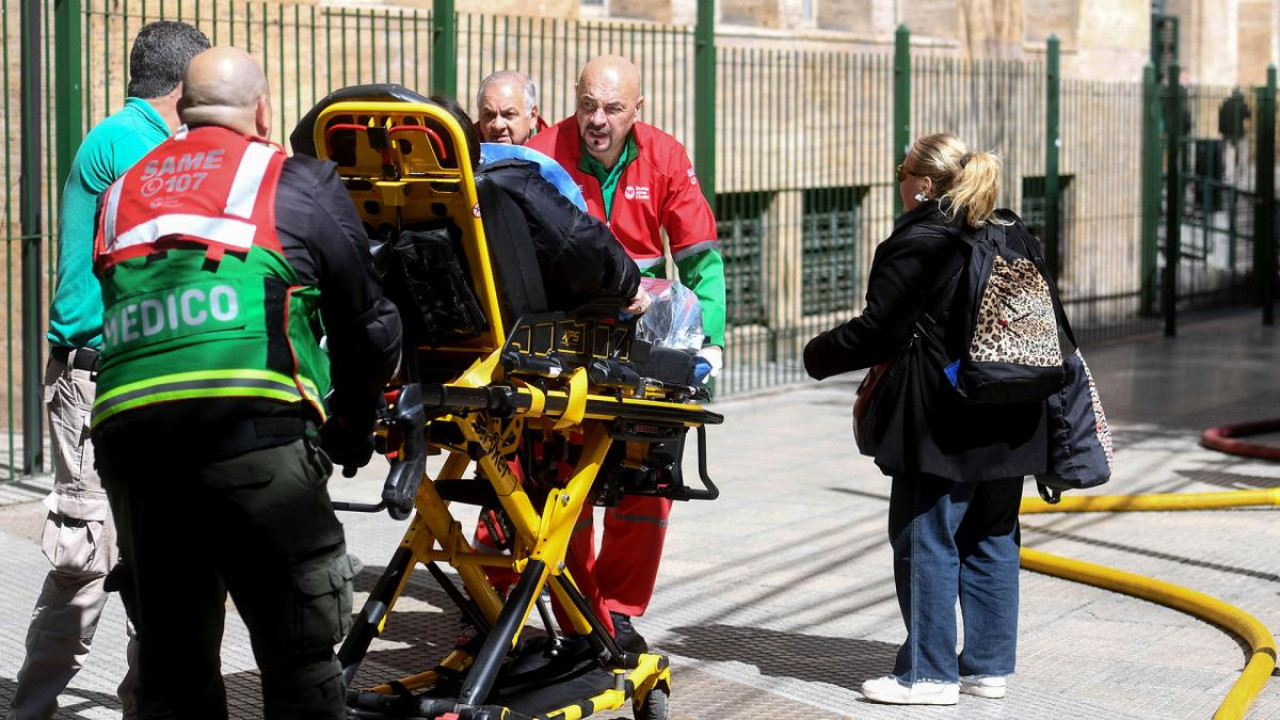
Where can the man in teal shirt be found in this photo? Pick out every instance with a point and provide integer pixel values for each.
(79, 535)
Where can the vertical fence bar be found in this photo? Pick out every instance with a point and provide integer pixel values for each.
(1264, 236)
(901, 134)
(1150, 186)
(32, 228)
(704, 112)
(69, 126)
(1052, 146)
(444, 49)
(8, 227)
(1173, 203)
(68, 107)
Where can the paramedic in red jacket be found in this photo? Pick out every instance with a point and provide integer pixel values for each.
(639, 180)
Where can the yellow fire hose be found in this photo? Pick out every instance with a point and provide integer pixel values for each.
(1262, 658)
(1149, 503)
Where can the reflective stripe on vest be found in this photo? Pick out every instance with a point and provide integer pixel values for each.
(248, 182)
(185, 191)
(205, 384)
(237, 234)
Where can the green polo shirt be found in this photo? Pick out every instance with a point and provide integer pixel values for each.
(609, 177)
(110, 148)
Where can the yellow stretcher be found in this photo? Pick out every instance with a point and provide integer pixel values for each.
(486, 374)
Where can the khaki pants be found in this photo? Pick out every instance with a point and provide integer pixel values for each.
(79, 540)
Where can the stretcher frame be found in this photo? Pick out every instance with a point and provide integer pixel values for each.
(409, 162)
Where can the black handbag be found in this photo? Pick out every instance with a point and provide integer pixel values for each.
(1080, 451)
(878, 398)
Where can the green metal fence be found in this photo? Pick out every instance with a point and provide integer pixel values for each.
(796, 149)
(1218, 201)
(804, 185)
(309, 50)
(26, 61)
(807, 144)
(1101, 276)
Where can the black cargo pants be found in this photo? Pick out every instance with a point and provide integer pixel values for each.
(258, 525)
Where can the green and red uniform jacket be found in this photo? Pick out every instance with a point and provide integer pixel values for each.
(657, 190)
(200, 300)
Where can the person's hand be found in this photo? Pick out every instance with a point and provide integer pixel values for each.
(714, 356)
(346, 444)
(640, 302)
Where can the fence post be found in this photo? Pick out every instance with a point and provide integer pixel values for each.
(68, 64)
(901, 104)
(1265, 219)
(32, 231)
(1150, 185)
(704, 90)
(1173, 203)
(1053, 144)
(444, 49)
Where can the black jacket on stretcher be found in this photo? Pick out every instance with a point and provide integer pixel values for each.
(579, 258)
(933, 430)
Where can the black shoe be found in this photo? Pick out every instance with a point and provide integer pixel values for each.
(626, 636)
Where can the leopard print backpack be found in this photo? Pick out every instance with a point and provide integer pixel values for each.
(1014, 349)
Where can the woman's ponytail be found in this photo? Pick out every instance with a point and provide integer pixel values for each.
(965, 182)
(974, 190)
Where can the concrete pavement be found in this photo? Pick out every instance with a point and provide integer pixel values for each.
(776, 601)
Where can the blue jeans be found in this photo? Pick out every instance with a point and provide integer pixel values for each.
(955, 540)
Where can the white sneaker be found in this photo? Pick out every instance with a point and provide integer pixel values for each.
(985, 686)
(889, 689)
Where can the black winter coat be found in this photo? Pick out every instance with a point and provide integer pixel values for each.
(934, 431)
(579, 257)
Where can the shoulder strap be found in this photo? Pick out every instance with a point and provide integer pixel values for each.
(930, 316)
(1033, 250)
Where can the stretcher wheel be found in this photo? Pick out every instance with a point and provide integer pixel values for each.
(654, 706)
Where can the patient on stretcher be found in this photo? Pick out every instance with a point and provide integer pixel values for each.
(579, 259)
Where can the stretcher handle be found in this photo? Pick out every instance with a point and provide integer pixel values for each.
(407, 470)
(410, 465)
(615, 374)
(499, 400)
(709, 490)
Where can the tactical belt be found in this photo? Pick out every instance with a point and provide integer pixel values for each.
(77, 358)
(258, 433)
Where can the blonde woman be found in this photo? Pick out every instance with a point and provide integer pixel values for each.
(957, 468)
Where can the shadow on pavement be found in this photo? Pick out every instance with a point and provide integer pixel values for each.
(843, 662)
(1229, 480)
(72, 702)
(422, 629)
(1157, 554)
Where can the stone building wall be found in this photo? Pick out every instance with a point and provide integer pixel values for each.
(1256, 42)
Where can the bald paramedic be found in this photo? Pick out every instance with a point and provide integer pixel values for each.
(639, 180)
(219, 416)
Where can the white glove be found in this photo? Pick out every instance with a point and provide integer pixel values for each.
(715, 357)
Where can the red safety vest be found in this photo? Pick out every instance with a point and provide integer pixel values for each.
(210, 185)
(200, 301)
